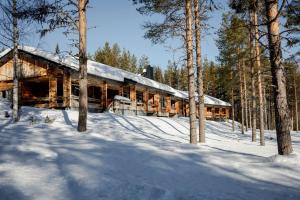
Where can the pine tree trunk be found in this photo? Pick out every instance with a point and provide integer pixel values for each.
(241, 96)
(232, 109)
(232, 102)
(199, 72)
(253, 95)
(15, 63)
(279, 83)
(265, 108)
(296, 104)
(250, 114)
(191, 85)
(83, 101)
(260, 92)
(245, 96)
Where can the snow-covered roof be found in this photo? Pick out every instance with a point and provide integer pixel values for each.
(3, 53)
(209, 100)
(111, 73)
(98, 69)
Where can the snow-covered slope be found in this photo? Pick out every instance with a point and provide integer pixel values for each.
(43, 157)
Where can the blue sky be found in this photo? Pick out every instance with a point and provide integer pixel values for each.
(117, 21)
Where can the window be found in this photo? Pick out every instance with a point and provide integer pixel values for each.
(94, 92)
(139, 96)
(126, 92)
(151, 98)
(217, 110)
(75, 89)
(35, 89)
(162, 101)
(224, 111)
(208, 109)
(173, 102)
(59, 87)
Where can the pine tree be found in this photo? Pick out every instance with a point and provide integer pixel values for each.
(191, 85)
(57, 49)
(12, 14)
(158, 75)
(143, 63)
(279, 83)
(199, 71)
(83, 96)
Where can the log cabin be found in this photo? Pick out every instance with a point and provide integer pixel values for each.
(52, 81)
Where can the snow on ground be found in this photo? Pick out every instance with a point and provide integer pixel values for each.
(43, 157)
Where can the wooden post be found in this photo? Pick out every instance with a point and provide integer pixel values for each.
(67, 89)
(132, 93)
(145, 100)
(168, 104)
(104, 95)
(156, 102)
(177, 107)
(52, 91)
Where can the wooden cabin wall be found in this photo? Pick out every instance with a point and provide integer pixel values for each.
(52, 91)
(6, 85)
(6, 71)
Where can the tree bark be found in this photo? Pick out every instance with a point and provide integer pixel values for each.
(199, 72)
(15, 63)
(232, 104)
(241, 96)
(253, 95)
(260, 92)
(279, 83)
(83, 100)
(245, 97)
(296, 103)
(250, 114)
(191, 85)
(265, 108)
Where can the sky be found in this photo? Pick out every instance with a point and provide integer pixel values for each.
(117, 21)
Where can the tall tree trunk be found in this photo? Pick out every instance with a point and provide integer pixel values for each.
(260, 92)
(265, 108)
(270, 115)
(245, 96)
(189, 52)
(241, 96)
(15, 63)
(296, 103)
(279, 83)
(83, 100)
(232, 103)
(253, 95)
(199, 72)
(232, 110)
(250, 113)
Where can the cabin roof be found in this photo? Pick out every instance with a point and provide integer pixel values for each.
(112, 73)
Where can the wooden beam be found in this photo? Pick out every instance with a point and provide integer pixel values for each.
(67, 90)
(132, 93)
(177, 107)
(104, 95)
(157, 102)
(145, 100)
(6, 86)
(52, 91)
(168, 104)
